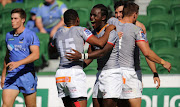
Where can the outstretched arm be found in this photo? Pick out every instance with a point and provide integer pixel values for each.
(148, 53)
(93, 55)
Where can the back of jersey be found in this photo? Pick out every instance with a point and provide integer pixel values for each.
(69, 38)
(131, 34)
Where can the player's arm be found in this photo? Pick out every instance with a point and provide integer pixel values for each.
(29, 59)
(3, 76)
(39, 25)
(55, 28)
(139, 24)
(93, 55)
(100, 42)
(148, 53)
(152, 66)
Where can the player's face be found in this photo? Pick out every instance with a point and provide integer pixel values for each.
(95, 17)
(49, 1)
(118, 12)
(16, 21)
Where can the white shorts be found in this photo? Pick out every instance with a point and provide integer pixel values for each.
(108, 84)
(132, 85)
(71, 82)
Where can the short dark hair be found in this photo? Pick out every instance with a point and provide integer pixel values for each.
(104, 10)
(117, 4)
(130, 8)
(20, 11)
(70, 16)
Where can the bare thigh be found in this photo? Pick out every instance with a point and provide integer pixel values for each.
(135, 102)
(8, 97)
(30, 99)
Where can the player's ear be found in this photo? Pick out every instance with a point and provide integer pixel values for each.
(77, 21)
(23, 20)
(104, 18)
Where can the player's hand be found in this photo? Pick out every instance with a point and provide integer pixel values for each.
(12, 65)
(167, 65)
(110, 28)
(120, 34)
(156, 79)
(73, 56)
(43, 30)
(2, 81)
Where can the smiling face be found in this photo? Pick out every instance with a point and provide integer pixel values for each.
(118, 12)
(17, 21)
(96, 18)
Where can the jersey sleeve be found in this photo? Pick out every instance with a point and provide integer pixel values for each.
(140, 36)
(63, 8)
(113, 21)
(34, 40)
(85, 33)
(38, 14)
(113, 37)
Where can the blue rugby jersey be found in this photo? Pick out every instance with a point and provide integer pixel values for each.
(19, 48)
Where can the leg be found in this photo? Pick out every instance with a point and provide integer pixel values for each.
(30, 99)
(135, 102)
(8, 97)
(97, 102)
(82, 103)
(110, 102)
(67, 101)
(123, 103)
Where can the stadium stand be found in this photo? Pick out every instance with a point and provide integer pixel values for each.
(175, 8)
(162, 39)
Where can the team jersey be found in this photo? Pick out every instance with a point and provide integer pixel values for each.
(69, 38)
(110, 60)
(131, 35)
(119, 27)
(19, 48)
(51, 14)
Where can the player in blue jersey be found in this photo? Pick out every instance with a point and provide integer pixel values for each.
(49, 17)
(22, 50)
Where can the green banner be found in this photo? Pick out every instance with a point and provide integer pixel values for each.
(41, 99)
(162, 97)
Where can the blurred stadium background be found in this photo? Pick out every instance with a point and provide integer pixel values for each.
(162, 21)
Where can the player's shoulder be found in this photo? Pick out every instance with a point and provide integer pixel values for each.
(29, 32)
(132, 26)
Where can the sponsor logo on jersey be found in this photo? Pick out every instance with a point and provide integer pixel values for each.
(19, 48)
(142, 35)
(11, 39)
(21, 40)
(87, 32)
(10, 47)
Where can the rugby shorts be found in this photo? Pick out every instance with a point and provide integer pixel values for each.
(71, 82)
(132, 84)
(108, 84)
(25, 82)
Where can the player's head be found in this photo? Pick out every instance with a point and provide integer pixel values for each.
(131, 10)
(71, 18)
(48, 2)
(118, 7)
(98, 15)
(18, 18)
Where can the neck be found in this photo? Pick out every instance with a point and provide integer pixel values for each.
(127, 20)
(19, 30)
(100, 27)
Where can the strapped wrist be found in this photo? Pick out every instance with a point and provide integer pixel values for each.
(156, 75)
